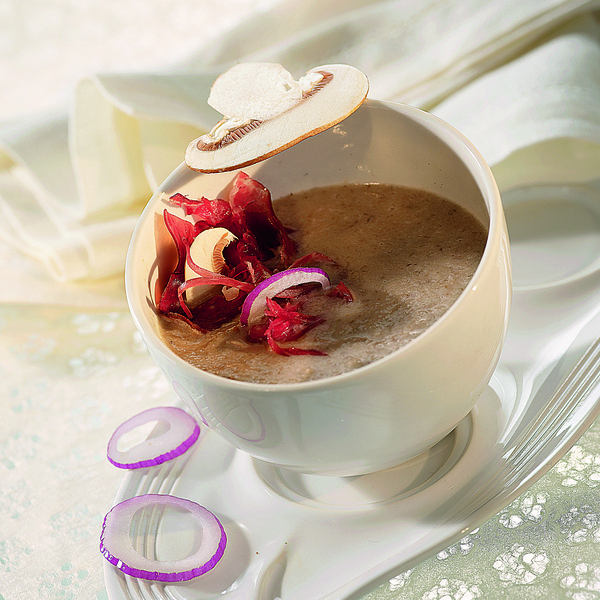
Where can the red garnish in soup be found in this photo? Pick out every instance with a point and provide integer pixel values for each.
(286, 324)
(228, 254)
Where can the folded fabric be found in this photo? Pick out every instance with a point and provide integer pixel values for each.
(537, 117)
(520, 79)
(416, 52)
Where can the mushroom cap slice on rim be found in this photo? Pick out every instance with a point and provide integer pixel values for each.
(274, 112)
(258, 91)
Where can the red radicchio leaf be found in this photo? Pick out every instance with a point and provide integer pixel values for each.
(287, 324)
(216, 311)
(252, 209)
(182, 232)
(313, 258)
(207, 213)
(245, 252)
(183, 235)
(341, 291)
(291, 350)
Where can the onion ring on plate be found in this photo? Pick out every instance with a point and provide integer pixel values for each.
(182, 433)
(117, 548)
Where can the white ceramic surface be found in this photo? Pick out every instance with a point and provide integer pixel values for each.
(326, 538)
(295, 536)
(385, 413)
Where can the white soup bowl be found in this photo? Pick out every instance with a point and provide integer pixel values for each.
(385, 413)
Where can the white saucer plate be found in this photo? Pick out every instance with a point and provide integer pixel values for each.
(296, 537)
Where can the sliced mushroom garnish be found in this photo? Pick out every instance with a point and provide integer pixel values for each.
(255, 91)
(226, 131)
(266, 111)
(206, 252)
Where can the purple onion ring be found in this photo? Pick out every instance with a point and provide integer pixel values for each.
(255, 302)
(182, 433)
(117, 548)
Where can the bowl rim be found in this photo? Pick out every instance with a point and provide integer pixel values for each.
(483, 177)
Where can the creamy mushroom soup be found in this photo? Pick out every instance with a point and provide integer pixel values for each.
(405, 254)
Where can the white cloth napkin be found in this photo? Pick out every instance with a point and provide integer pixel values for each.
(521, 79)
